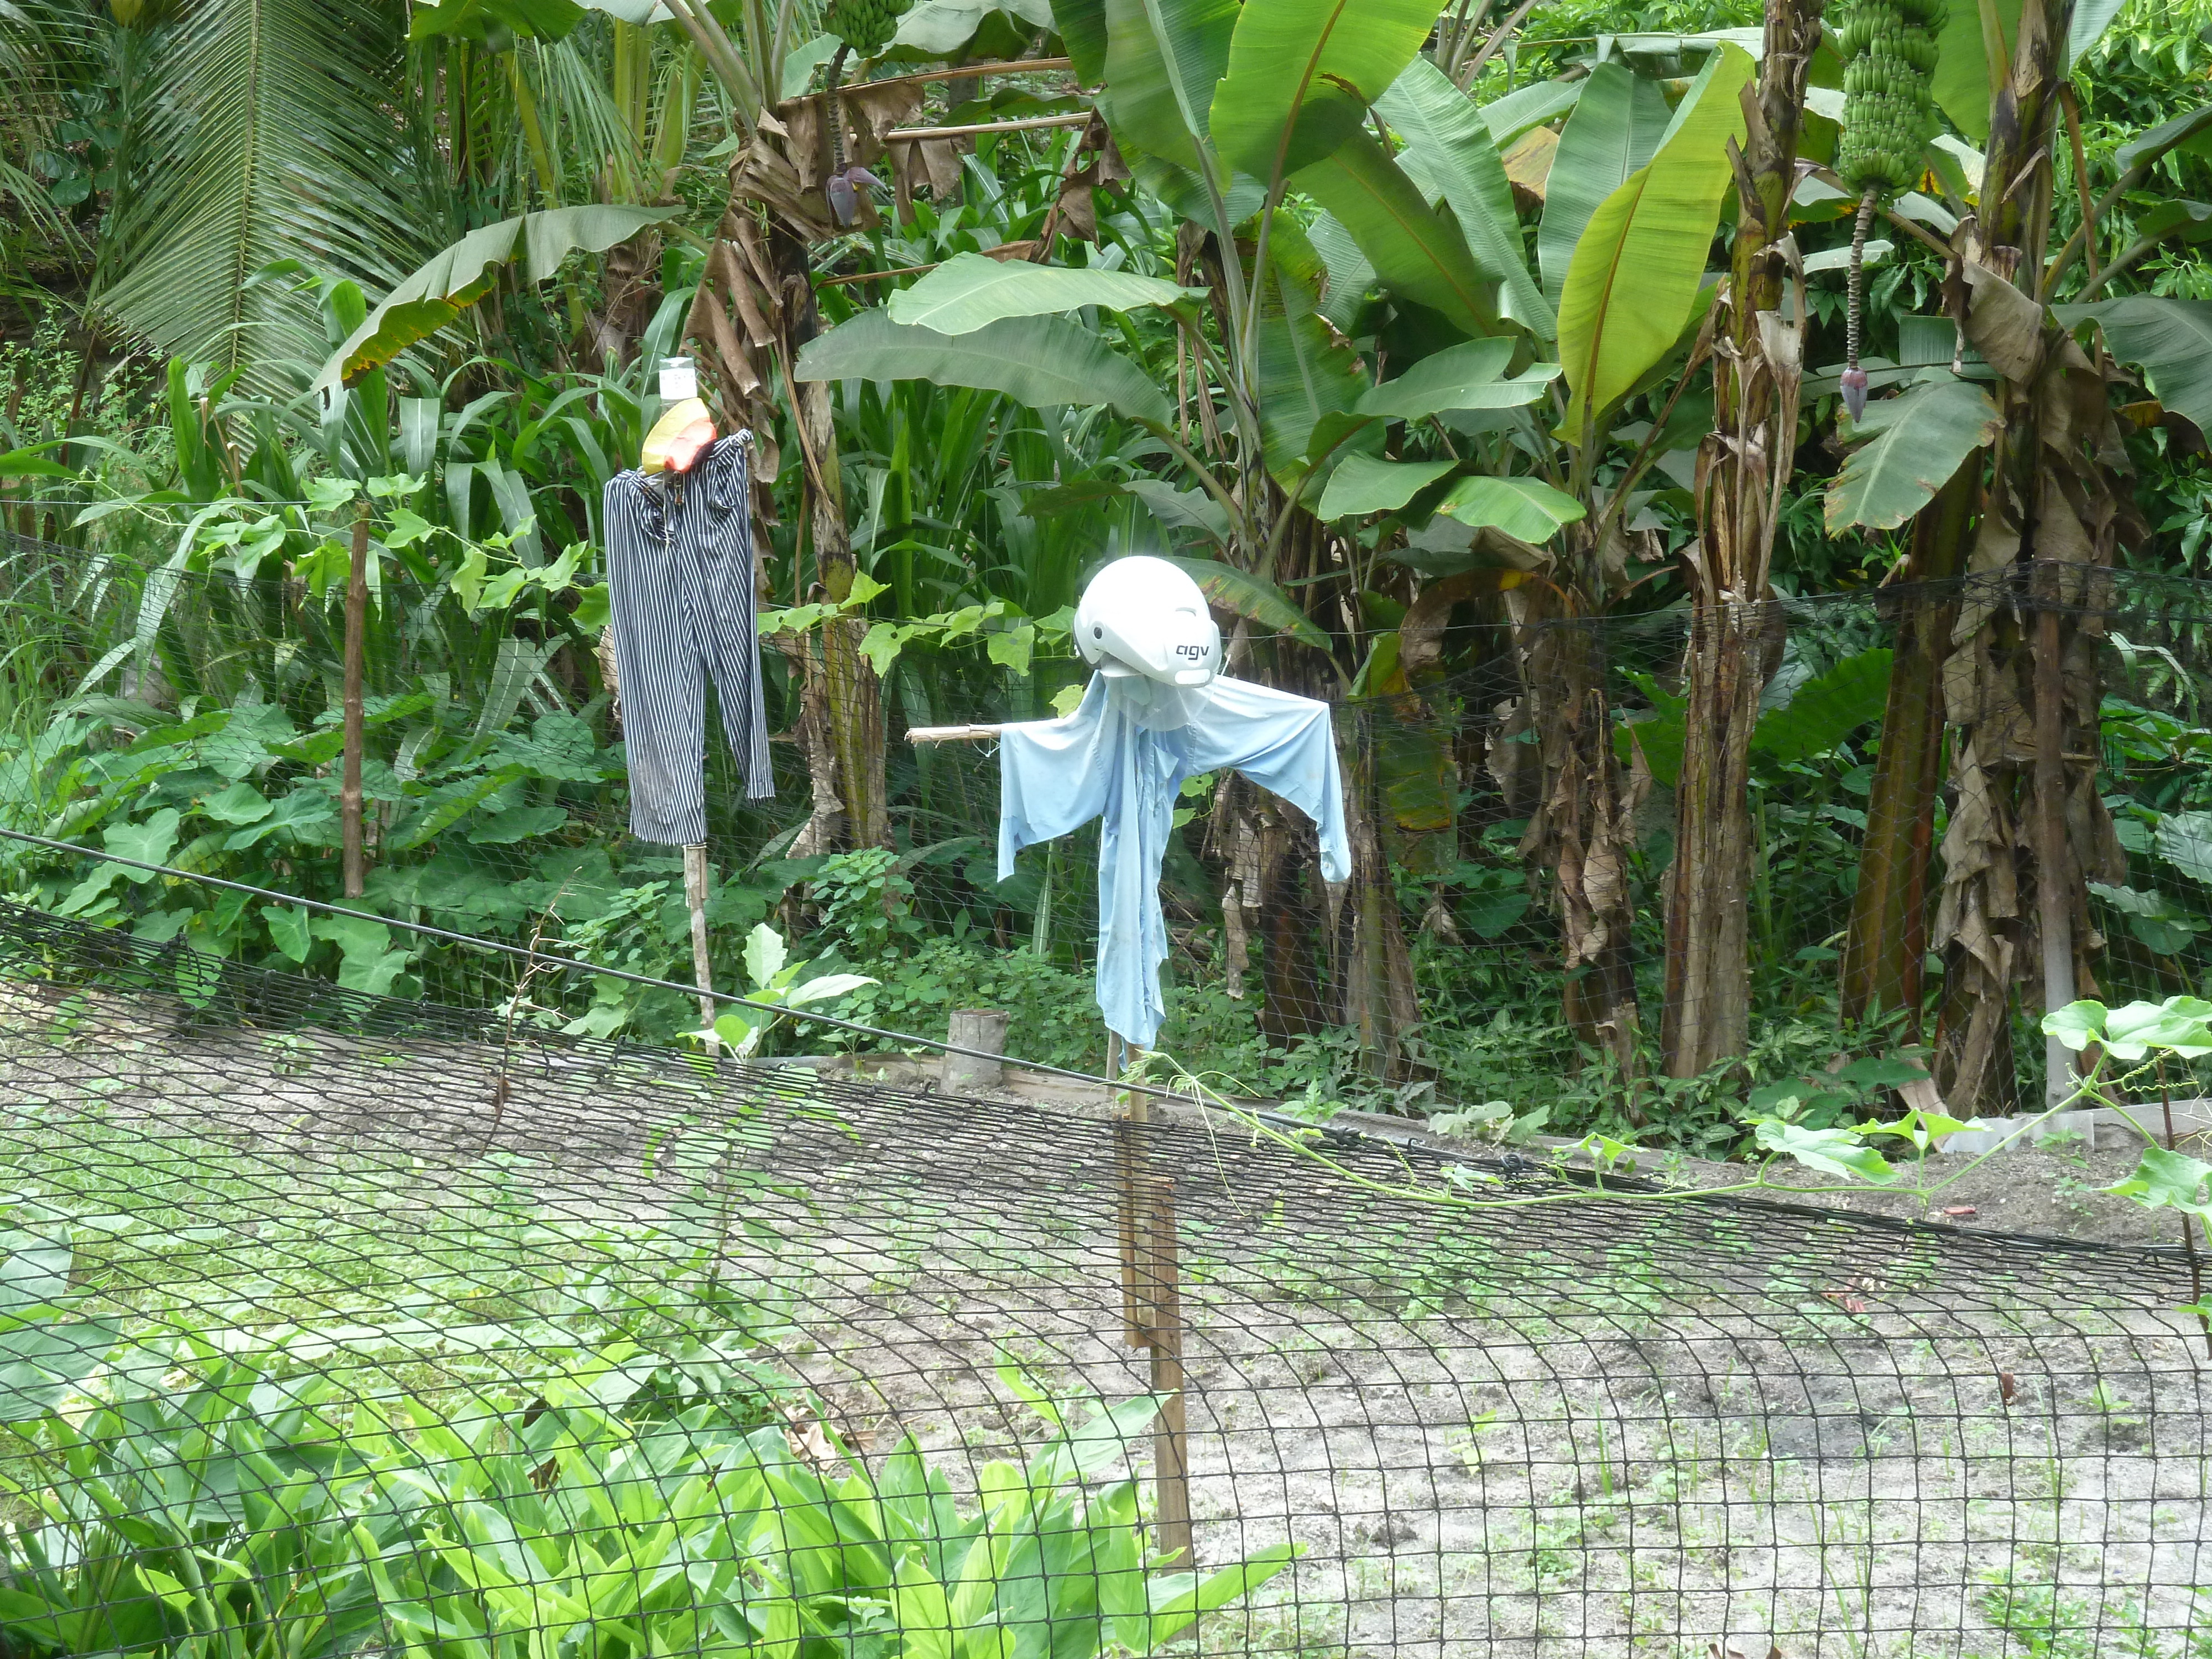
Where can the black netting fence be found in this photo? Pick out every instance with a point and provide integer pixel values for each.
(338, 1324)
(193, 718)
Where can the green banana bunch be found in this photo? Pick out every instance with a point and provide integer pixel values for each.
(865, 26)
(1889, 57)
(1889, 65)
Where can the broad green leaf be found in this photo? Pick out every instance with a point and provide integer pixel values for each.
(31, 463)
(1301, 74)
(1527, 509)
(1613, 132)
(1164, 60)
(1826, 709)
(1915, 441)
(1961, 82)
(1183, 509)
(764, 954)
(1306, 375)
(1042, 361)
(1445, 135)
(2091, 19)
(1362, 484)
(2184, 131)
(2178, 1025)
(1639, 268)
(366, 960)
(1351, 273)
(2184, 840)
(479, 20)
(1835, 1151)
(1252, 597)
(289, 930)
(1416, 251)
(1531, 105)
(438, 291)
(1459, 377)
(2077, 1025)
(970, 290)
(2169, 339)
(2166, 1181)
(242, 803)
(1081, 25)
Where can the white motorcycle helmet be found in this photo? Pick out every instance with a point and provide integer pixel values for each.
(1142, 617)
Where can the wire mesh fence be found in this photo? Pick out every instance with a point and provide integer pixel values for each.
(498, 806)
(346, 1324)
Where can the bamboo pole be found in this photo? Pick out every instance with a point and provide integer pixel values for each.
(702, 964)
(981, 129)
(2054, 912)
(356, 625)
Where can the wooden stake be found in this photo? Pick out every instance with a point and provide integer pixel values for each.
(702, 963)
(1171, 1462)
(356, 626)
(2054, 910)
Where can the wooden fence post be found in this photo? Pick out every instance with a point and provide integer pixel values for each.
(1170, 1463)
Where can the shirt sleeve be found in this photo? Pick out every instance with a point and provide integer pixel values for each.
(1053, 776)
(1285, 744)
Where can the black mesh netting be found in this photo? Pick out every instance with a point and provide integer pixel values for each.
(341, 1325)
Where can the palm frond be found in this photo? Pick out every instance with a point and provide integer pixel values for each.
(270, 135)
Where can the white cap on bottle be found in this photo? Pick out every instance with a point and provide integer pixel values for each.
(679, 379)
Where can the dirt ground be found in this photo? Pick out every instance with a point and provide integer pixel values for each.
(1579, 1429)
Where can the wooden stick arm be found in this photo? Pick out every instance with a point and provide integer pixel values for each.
(952, 733)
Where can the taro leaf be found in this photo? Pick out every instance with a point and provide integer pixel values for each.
(1042, 361)
(1916, 441)
(290, 931)
(239, 803)
(439, 290)
(1527, 509)
(366, 960)
(2166, 1181)
(1301, 74)
(1251, 597)
(2184, 840)
(2169, 339)
(1467, 376)
(970, 290)
(1826, 709)
(1362, 485)
(517, 823)
(1638, 269)
(307, 808)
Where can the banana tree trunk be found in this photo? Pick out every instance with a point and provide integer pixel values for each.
(1583, 832)
(850, 737)
(2027, 830)
(1885, 952)
(1379, 998)
(1742, 467)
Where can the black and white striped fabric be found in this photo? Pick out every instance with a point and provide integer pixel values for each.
(680, 571)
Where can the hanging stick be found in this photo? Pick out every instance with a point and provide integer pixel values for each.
(352, 858)
(952, 733)
(703, 965)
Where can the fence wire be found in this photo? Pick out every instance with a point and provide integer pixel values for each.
(339, 1324)
(498, 806)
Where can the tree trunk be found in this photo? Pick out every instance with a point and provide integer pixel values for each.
(850, 736)
(1742, 466)
(1583, 832)
(1886, 953)
(2014, 899)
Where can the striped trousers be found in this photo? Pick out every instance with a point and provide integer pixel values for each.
(680, 576)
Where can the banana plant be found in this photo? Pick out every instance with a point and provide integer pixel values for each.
(2015, 472)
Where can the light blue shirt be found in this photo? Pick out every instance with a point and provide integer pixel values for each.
(1122, 756)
